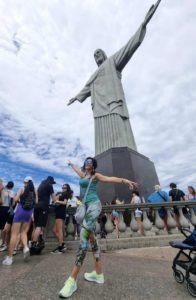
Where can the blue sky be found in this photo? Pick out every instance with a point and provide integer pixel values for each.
(46, 56)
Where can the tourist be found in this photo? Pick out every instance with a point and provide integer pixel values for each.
(93, 209)
(73, 202)
(60, 214)
(159, 196)
(176, 194)
(1, 207)
(22, 219)
(115, 214)
(138, 213)
(191, 196)
(45, 192)
(8, 211)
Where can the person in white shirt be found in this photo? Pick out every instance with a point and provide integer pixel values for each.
(73, 201)
(138, 213)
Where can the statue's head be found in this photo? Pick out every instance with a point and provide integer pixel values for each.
(99, 56)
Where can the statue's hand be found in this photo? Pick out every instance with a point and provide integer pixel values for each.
(72, 100)
(151, 12)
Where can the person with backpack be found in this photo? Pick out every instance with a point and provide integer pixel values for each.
(45, 193)
(26, 198)
(160, 196)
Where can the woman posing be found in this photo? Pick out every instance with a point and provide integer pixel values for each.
(22, 219)
(87, 233)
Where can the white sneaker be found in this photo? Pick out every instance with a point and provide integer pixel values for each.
(3, 248)
(8, 261)
(26, 253)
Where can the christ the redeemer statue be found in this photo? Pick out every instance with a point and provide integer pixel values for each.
(112, 125)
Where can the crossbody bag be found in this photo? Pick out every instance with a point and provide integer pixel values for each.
(81, 209)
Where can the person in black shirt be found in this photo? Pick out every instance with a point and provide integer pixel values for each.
(45, 192)
(176, 194)
(60, 214)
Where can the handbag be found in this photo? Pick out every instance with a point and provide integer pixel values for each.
(81, 209)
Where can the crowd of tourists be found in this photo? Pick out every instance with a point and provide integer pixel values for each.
(157, 196)
(29, 208)
(23, 216)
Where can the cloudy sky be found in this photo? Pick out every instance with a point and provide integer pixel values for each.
(46, 56)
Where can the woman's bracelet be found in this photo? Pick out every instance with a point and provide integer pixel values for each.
(123, 181)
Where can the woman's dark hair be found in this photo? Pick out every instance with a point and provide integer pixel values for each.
(94, 162)
(10, 185)
(69, 192)
(193, 190)
(135, 192)
(29, 187)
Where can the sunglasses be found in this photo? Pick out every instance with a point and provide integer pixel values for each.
(88, 162)
(64, 187)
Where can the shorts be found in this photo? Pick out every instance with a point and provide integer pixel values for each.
(138, 213)
(40, 216)
(115, 214)
(10, 219)
(162, 212)
(22, 215)
(60, 212)
(68, 218)
(176, 210)
(3, 216)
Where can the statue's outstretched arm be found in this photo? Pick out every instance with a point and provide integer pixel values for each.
(151, 12)
(122, 56)
(83, 94)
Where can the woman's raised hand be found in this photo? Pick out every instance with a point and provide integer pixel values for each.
(131, 184)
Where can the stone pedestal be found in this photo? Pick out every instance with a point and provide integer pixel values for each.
(125, 163)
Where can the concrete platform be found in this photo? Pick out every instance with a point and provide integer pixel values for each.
(130, 274)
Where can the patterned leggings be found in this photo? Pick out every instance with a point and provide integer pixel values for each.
(87, 233)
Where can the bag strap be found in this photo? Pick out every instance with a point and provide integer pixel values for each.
(84, 199)
(176, 194)
(162, 196)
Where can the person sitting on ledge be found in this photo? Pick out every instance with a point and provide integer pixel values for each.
(115, 214)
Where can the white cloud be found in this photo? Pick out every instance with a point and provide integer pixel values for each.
(46, 56)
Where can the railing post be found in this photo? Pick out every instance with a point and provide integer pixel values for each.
(193, 216)
(171, 222)
(134, 225)
(183, 221)
(159, 222)
(109, 227)
(70, 229)
(122, 226)
(147, 224)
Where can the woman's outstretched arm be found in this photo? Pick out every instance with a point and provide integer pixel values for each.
(76, 169)
(112, 179)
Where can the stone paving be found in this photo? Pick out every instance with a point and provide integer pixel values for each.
(131, 274)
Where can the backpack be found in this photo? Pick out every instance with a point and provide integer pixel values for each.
(37, 249)
(28, 202)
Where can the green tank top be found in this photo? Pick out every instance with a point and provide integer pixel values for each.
(92, 192)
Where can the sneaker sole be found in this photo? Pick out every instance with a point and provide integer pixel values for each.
(26, 255)
(64, 297)
(93, 280)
